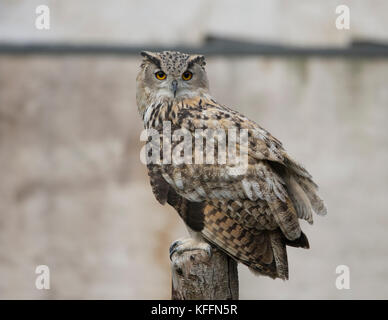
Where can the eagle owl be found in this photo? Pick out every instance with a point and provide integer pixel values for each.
(251, 214)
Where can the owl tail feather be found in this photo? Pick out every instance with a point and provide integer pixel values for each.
(264, 252)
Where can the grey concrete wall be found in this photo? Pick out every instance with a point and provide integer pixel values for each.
(74, 195)
(176, 22)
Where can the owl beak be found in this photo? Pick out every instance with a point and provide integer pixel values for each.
(174, 87)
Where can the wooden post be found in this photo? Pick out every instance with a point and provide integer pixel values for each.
(195, 276)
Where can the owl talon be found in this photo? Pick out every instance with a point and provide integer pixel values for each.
(173, 247)
(189, 244)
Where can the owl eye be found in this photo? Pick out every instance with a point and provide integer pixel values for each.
(160, 75)
(187, 75)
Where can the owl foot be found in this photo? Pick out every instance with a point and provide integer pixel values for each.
(189, 244)
(189, 253)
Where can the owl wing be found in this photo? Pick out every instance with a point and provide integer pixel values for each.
(267, 182)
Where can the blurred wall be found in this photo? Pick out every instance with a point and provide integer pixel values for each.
(74, 195)
(172, 22)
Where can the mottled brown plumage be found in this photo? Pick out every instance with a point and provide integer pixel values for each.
(250, 215)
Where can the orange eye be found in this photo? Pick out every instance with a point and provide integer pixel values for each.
(160, 75)
(187, 75)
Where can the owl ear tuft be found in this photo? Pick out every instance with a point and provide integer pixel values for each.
(197, 58)
(152, 57)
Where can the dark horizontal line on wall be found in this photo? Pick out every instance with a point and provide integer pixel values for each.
(213, 46)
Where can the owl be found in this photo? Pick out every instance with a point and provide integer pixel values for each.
(249, 209)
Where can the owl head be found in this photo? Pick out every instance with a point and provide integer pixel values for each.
(171, 75)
